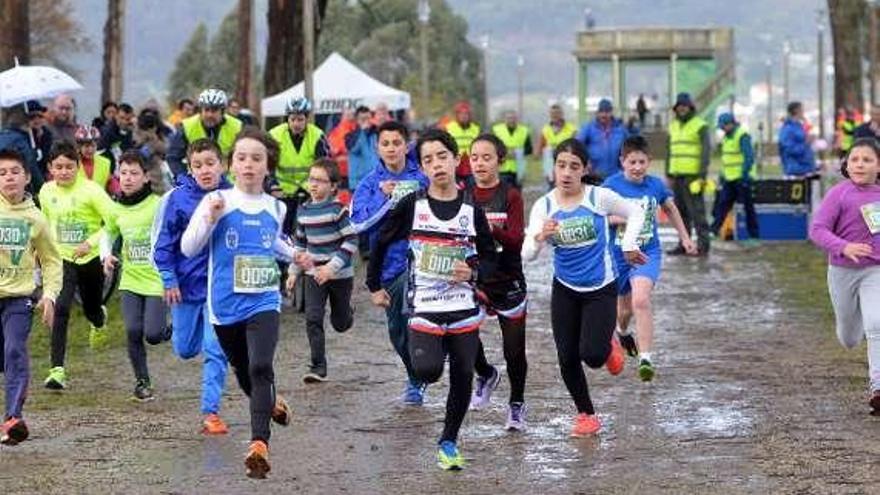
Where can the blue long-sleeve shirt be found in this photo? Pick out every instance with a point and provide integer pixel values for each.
(794, 150)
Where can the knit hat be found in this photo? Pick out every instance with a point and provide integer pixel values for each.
(683, 99)
(605, 105)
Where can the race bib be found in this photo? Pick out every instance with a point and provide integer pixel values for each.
(72, 232)
(871, 214)
(403, 188)
(254, 274)
(138, 251)
(14, 236)
(438, 261)
(647, 231)
(576, 230)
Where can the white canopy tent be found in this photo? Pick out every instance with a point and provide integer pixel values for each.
(339, 84)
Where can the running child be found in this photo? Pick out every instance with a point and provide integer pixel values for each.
(25, 239)
(140, 287)
(446, 234)
(185, 280)
(324, 245)
(847, 227)
(505, 291)
(397, 175)
(241, 228)
(573, 219)
(636, 282)
(75, 208)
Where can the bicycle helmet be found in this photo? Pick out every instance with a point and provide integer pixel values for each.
(298, 105)
(213, 98)
(86, 133)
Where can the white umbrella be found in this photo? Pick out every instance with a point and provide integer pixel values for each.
(33, 82)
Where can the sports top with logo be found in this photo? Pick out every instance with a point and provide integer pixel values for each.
(24, 236)
(648, 195)
(244, 243)
(435, 245)
(134, 223)
(75, 214)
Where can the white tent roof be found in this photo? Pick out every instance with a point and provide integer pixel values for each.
(339, 84)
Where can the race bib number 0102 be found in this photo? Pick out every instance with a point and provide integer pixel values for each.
(438, 261)
(255, 274)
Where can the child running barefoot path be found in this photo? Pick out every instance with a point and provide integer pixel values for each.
(185, 279)
(573, 219)
(241, 228)
(506, 290)
(140, 287)
(446, 235)
(76, 208)
(324, 245)
(847, 227)
(636, 282)
(25, 239)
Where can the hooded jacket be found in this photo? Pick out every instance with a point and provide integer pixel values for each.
(190, 275)
(370, 207)
(26, 238)
(794, 150)
(603, 145)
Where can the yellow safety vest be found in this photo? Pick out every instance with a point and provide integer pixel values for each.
(732, 157)
(685, 148)
(293, 165)
(463, 137)
(514, 141)
(194, 130)
(847, 129)
(553, 138)
(100, 170)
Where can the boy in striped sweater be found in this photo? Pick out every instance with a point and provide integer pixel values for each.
(325, 245)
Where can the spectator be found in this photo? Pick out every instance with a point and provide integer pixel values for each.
(795, 152)
(62, 123)
(185, 108)
(108, 111)
(361, 144)
(642, 110)
(338, 149)
(36, 114)
(15, 136)
(117, 136)
(603, 138)
(870, 129)
(211, 122)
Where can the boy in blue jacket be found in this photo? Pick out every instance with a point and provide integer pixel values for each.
(396, 175)
(186, 279)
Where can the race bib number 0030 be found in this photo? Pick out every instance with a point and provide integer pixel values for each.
(871, 214)
(255, 274)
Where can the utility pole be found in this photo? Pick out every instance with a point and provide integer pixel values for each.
(424, 18)
(245, 51)
(484, 42)
(769, 103)
(820, 64)
(520, 75)
(309, 49)
(111, 74)
(786, 67)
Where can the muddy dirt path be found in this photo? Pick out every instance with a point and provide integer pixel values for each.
(751, 397)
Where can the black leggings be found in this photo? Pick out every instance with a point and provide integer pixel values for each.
(249, 346)
(513, 336)
(583, 323)
(428, 353)
(89, 279)
(145, 317)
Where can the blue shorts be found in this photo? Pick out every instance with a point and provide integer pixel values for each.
(625, 271)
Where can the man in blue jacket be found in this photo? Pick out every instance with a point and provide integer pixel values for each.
(396, 175)
(603, 138)
(795, 151)
(186, 279)
(361, 145)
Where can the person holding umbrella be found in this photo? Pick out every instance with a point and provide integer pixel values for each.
(15, 136)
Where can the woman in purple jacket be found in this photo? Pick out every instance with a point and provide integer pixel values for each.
(847, 227)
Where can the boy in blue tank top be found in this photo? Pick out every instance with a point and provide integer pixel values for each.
(636, 282)
(242, 228)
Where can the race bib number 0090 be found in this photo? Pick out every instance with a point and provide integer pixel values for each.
(255, 274)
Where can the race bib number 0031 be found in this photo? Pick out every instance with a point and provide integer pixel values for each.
(578, 230)
(255, 274)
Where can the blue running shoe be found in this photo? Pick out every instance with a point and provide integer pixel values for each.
(448, 456)
(414, 395)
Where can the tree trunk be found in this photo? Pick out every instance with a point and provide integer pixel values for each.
(14, 33)
(111, 74)
(243, 81)
(847, 17)
(284, 54)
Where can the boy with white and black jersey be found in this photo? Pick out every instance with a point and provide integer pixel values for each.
(447, 234)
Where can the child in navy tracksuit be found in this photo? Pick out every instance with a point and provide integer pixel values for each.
(186, 279)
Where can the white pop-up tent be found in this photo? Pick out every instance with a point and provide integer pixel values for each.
(339, 84)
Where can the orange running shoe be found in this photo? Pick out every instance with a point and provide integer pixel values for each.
(213, 425)
(281, 413)
(13, 431)
(257, 461)
(616, 361)
(585, 425)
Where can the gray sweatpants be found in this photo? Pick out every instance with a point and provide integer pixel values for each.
(855, 294)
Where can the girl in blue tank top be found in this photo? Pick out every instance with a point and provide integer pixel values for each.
(573, 219)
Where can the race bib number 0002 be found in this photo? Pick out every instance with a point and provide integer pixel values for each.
(255, 274)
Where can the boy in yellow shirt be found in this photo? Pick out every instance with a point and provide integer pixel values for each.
(24, 238)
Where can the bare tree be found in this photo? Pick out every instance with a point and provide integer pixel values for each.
(847, 18)
(55, 34)
(243, 82)
(14, 33)
(111, 74)
(284, 54)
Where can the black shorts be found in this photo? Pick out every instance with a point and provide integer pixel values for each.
(507, 298)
